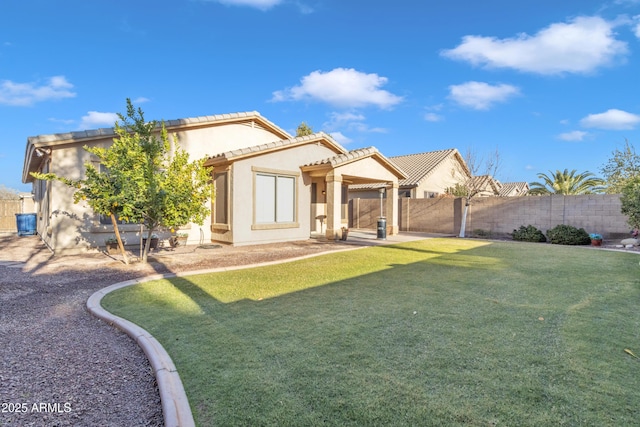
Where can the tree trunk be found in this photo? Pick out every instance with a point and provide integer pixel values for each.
(145, 251)
(120, 244)
(463, 224)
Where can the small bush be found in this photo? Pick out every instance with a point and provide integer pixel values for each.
(528, 234)
(568, 235)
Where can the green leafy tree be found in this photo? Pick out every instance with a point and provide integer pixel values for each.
(304, 130)
(568, 183)
(623, 166)
(630, 201)
(144, 181)
(458, 190)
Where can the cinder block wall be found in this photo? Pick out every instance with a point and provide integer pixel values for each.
(596, 213)
(364, 213)
(499, 216)
(8, 211)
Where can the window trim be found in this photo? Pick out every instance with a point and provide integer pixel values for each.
(222, 225)
(275, 173)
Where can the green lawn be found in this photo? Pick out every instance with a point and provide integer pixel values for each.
(435, 332)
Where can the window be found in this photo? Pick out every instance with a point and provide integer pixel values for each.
(275, 199)
(221, 201)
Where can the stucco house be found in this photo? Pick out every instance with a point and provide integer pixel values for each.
(428, 175)
(269, 185)
(487, 186)
(514, 189)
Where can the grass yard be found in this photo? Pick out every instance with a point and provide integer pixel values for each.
(435, 332)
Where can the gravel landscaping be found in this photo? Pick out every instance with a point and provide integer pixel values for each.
(59, 365)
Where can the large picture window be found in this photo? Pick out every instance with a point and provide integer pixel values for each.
(275, 198)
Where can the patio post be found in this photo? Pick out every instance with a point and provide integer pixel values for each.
(334, 205)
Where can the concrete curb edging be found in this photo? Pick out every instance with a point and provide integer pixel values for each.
(176, 410)
(175, 405)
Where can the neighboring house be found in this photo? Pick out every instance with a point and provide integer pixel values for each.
(514, 189)
(269, 186)
(488, 186)
(485, 186)
(428, 175)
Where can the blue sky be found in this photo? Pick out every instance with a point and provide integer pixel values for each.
(549, 84)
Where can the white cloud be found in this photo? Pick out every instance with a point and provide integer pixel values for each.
(636, 26)
(611, 119)
(353, 122)
(96, 119)
(140, 100)
(480, 95)
(340, 138)
(341, 118)
(341, 87)
(26, 94)
(433, 117)
(576, 135)
(579, 46)
(258, 4)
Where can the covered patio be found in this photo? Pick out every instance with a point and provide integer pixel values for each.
(335, 174)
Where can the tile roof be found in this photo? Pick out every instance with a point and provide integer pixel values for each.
(510, 189)
(169, 124)
(486, 183)
(357, 154)
(34, 143)
(270, 146)
(346, 157)
(417, 167)
(420, 166)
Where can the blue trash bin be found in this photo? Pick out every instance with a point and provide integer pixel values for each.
(26, 224)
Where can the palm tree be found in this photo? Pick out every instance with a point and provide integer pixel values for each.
(566, 182)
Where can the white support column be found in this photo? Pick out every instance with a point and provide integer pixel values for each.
(334, 204)
(391, 209)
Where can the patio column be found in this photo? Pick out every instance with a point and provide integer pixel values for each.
(391, 209)
(334, 201)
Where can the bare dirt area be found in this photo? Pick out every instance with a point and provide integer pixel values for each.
(59, 365)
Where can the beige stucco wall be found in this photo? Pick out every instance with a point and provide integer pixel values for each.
(69, 228)
(209, 141)
(286, 161)
(446, 175)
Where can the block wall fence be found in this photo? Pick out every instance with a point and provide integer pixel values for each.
(8, 211)
(499, 216)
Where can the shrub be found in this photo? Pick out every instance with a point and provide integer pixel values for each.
(528, 234)
(568, 235)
